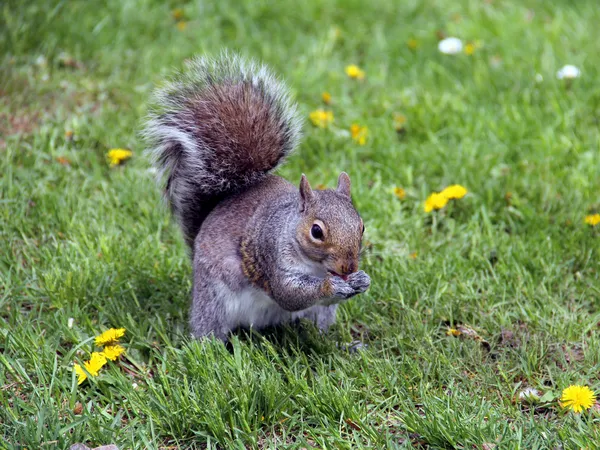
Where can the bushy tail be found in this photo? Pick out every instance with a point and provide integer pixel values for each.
(216, 128)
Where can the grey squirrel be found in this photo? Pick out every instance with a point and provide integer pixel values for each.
(264, 252)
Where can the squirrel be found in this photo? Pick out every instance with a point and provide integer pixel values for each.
(264, 252)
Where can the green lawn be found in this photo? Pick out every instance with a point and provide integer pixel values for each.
(513, 260)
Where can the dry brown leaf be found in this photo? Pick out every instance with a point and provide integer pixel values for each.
(353, 424)
(466, 332)
(64, 161)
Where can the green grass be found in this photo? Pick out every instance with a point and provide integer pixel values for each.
(81, 240)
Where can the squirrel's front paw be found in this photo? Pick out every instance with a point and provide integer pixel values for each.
(340, 289)
(359, 281)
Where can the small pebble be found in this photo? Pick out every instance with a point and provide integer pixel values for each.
(85, 447)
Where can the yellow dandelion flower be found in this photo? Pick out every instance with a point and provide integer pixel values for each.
(112, 352)
(413, 44)
(353, 71)
(177, 13)
(455, 191)
(359, 133)
(109, 336)
(81, 375)
(93, 367)
(435, 201)
(181, 25)
(117, 156)
(453, 332)
(438, 200)
(400, 193)
(326, 96)
(577, 398)
(470, 49)
(95, 363)
(592, 219)
(399, 121)
(413, 255)
(321, 118)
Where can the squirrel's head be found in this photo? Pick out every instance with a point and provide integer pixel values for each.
(330, 230)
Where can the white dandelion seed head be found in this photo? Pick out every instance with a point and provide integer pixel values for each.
(539, 78)
(41, 61)
(529, 395)
(70, 322)
(450, 46)
(568, 72)
(134, 385)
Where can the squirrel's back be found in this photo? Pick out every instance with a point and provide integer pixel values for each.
(217, 128)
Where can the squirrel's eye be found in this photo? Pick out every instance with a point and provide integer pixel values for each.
(363, 230)
(316, 232)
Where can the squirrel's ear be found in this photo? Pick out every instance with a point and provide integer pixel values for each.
(306, 193)
(343, 186)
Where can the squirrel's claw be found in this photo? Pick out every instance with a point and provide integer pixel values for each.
(341, 289)
(359, 281)
(355, 283)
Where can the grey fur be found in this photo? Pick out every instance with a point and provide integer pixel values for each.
(215, 133)
(265, 217)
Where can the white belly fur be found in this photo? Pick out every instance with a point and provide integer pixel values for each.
(253, 308)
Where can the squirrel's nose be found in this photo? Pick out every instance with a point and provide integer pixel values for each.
(347, 267)
(352, 266)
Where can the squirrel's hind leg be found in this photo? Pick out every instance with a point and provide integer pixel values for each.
(207, 311)
(208, 314)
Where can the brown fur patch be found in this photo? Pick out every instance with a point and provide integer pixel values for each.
(240, 125)
(250, 267)
(327, 288)
(216, 130)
